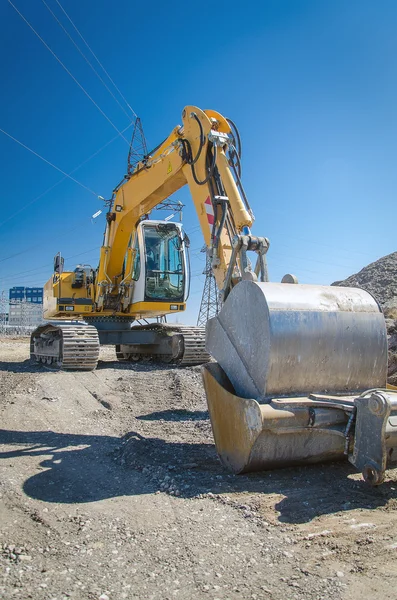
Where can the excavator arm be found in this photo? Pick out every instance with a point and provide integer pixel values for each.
(202, 154)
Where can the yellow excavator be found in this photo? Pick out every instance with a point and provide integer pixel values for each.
(300, 370)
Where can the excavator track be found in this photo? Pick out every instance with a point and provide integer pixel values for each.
(194, 346)
(67, 345)
(188, 350)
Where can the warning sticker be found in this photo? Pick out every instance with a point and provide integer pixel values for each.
(209, 210)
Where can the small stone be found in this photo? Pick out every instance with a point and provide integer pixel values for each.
(362, 526)
(103, 597)
(340, 574)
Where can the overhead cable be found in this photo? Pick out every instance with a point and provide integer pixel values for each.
(47, 266)
(49, 163)
(61, 180)
(39, 244)
(96, 58)
(86, 59)
(68, 72)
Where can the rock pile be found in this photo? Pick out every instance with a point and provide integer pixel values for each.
(380, 279)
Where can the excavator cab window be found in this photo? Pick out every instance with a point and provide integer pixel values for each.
(164, 262)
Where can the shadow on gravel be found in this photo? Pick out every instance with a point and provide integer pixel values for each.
(26, 366)
(142, 366)
(297, 494)
(81, 468)
(88, 468)
(176, 414)
(29, 366)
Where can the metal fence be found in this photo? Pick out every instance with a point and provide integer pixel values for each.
(22, 317)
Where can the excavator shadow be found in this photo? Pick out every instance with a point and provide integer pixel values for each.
(141, 366)
(26, 366)
(89, 468)
(72, 468)
(176, 414)
(291, 495)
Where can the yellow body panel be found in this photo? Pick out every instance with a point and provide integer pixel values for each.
(76, 303)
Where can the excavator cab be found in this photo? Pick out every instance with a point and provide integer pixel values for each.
(160, 267)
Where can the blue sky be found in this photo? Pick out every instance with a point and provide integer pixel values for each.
(311, 85)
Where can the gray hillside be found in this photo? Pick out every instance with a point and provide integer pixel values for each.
(379, 278)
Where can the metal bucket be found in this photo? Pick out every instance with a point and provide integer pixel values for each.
(280, 340)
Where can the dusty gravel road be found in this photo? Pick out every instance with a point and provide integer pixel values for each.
(110, 488)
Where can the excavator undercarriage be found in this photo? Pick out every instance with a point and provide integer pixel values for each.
(75, 344)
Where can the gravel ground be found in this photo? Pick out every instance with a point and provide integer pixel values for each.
(110, 488)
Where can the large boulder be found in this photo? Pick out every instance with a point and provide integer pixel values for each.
(380, 279)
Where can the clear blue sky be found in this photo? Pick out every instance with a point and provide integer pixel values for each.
(312, 86)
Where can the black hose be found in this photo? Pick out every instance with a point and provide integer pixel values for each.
(236, 164)
(236, 152)
(202, 139)
(221, 225)
(187, 156)
(235, 133)
(210, 170)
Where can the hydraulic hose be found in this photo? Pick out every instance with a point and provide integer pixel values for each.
(236, 135)
(187, 155)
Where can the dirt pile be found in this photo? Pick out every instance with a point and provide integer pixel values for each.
(380, 279)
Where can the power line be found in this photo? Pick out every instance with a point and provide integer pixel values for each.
(96, 58)
(63, 179)
(49, 163)
(85, 58)
(47, 265)
(36, 245)
(67, 71)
